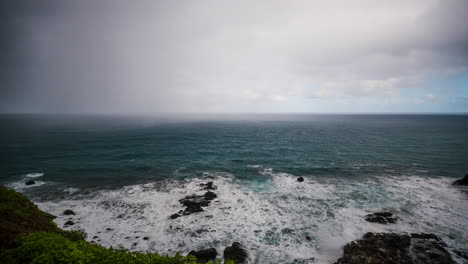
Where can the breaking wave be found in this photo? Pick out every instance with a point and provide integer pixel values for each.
(277, 218)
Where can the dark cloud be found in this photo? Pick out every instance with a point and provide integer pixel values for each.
(204, 56)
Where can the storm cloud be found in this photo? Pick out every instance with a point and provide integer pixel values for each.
(224, 56)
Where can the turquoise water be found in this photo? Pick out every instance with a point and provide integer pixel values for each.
(129, 172)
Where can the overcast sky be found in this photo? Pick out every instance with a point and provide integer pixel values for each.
(112, 56)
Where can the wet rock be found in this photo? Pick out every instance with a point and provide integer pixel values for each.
(210, 195)
(94, 237)
(381, 218)
(195, 203)
(208, 186)
(390, 248)
(237, 253)
(30, 182)
(68, 223)
(174, 216)
(461, 254)
(193, 208)
(425, 236)
(300, 179)
(204, 255)
(145, 238)
(308, 238)
(109, 229)
(68, 212)
(463, 181)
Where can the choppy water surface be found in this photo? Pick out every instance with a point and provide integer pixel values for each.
(124, 176)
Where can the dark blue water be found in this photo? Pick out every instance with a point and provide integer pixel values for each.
(110, 152)
(353, 164)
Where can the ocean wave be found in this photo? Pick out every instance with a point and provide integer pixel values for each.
(286, 222)
(34, 175)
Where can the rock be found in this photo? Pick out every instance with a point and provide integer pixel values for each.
(425, 236)
(109, 229)
(390, 248)
(308, 238)
(30, 182)
(204, 255)
(461, 254)
(145, 238)
(68, 212)
(94, 237)
(194, 208)
(381, 218)
(195, 203)
(210, 195)
(463, 181)
(237, 253)
(174, 216)
(68, 223)
(208, 186)
(300, 179)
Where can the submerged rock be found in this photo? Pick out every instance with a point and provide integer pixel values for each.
(237, 253)
(204, 255)
(68, 212)
(390, 248)
(300, 179)
(381, 218)
(30, 182)
(174, 216)
(68, 223)
(463, 181)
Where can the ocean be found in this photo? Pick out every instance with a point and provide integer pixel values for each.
(123, 177)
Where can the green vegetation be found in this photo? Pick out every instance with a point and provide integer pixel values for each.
(28, 235)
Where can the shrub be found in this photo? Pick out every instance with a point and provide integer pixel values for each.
(46, 247)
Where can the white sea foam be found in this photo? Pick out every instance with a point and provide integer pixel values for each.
(273, 222)
(34, 175)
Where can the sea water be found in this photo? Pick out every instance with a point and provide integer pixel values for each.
(123, 177)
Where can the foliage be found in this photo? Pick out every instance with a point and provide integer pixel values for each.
(28, 235)
(19, 216)
(46, 247)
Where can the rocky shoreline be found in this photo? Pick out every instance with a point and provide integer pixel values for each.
(372, 248)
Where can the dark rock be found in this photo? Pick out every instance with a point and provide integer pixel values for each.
(463, 181)
(389, 248)
(194, 208)
(210, 195)
(381, 218)
(68, 223)
(236, 253)
(425, 236)
(461, 254)
(208, 186)
(145, 238)
(94, 237)
(308, 238)
(300, 179)
(30, 182)
(135, 244)
(69, 212)
(109, 229)
(204, 255)
(195, 203)
(174, 216)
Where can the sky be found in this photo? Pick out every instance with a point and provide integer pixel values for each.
(205, 56)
